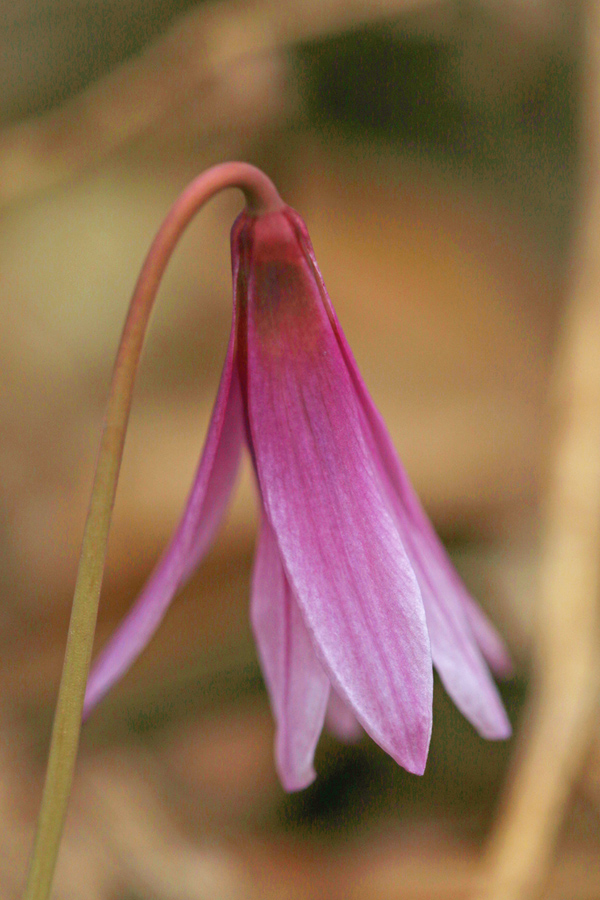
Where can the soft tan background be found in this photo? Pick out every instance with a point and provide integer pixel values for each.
(444, 249)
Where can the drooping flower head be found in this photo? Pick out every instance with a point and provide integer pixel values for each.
(353, 596)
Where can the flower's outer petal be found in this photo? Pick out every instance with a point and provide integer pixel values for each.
(297, 685)
(458, 630)
(336, 534)
(454, 647)
(340, 720)
(450, 611)
(206, 503)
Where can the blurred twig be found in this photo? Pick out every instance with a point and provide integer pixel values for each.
(195, 57)
(563, 711)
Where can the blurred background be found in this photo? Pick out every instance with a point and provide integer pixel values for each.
(431, 148)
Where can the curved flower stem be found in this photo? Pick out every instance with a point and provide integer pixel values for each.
(261, 196)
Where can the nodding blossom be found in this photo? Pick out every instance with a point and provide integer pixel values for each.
(353, 595)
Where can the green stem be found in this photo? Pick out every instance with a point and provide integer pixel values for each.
(261, 196)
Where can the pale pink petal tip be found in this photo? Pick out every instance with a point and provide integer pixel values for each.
(341, 721)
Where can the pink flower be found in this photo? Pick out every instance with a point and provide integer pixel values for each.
(353, 596)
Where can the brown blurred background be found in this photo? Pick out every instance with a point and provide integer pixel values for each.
(431, 148)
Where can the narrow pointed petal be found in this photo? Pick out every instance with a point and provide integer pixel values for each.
(297, 685)
(338, 540)
(206, 503)
(458, 630)
(341, 721)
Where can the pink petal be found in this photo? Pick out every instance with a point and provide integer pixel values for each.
(206, 503)
(454, 645)
(298, 686)
(340, 720)
(456, 625)
(322, 492)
